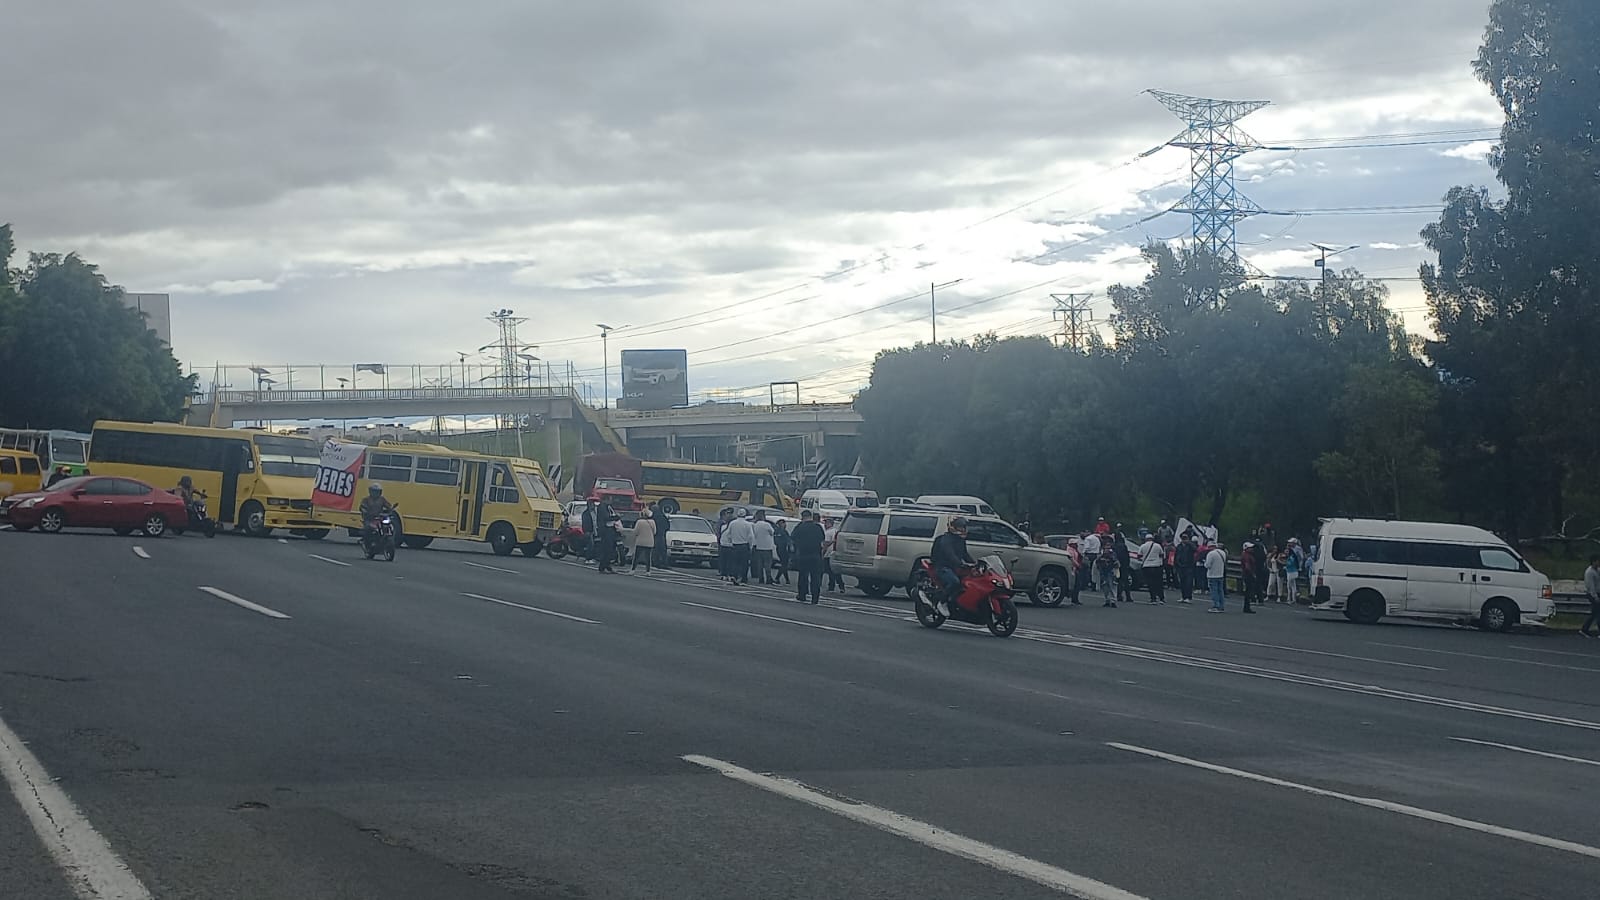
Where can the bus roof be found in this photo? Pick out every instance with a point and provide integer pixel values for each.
(198, 430)
(438, 450)
(706, 467)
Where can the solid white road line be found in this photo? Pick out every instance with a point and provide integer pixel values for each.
(1373, 803)
(1573, 759)
(740, 612)
(93, 869)
(548, 612)
(923, 833)
(491, 568)
(240, 601)
(140, 552)
(1520, 662)
(325, 559)
(1325, 653)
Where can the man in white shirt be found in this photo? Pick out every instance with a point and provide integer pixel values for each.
(1152, 564)
(762, 544)
(741, 534)
(1091, 553)
(1216, 570)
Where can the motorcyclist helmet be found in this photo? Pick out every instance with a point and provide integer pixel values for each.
(375, 489)
(958, 525)
(186, 482)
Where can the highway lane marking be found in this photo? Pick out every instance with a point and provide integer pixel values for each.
(1547, 755)
(1326, 653)
(241, 602)
(1374, 803)
(140, 552)
(753, 615)
(1552, 652)
(1371, 690)
(491, 568)
(92, 867)
(547, 612)
(1520, 662)
(1070, 883)
(325, 559)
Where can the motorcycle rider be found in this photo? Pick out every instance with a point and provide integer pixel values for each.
(949, 555)
(373, 505)
(185, 490)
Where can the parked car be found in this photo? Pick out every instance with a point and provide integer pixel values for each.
(881, 548)
(1371, 568)
(690, 539)
(93, 501)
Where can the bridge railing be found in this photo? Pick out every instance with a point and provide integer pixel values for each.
(618, 415)
(241, 398)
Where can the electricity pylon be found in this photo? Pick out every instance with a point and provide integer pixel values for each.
(1214, 141)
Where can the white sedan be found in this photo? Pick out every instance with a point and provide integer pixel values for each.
(691, 539)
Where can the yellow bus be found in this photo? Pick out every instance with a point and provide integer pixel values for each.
(683, 486)
(255, 480)
(443, 493)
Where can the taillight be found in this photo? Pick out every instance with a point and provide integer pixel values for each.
(1319, 581)
(1545, 592)
(883, 545)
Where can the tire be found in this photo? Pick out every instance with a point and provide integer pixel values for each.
(418, 542)
(918, 589)
(1050, 590)
(51, 521)
(315, 534)
(502, 539)
(874, 588)
(669, 506)
(124, 531)
(155, 525)
(1365, 607)
(1007, 623)
(253, 520)
(211, 529)
(557, 550)
(368, 551)
(388, 552)
(1499, 615)
(532, 549)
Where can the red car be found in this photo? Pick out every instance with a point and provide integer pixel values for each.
(94, 501)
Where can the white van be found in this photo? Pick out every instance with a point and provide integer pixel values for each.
(970, 505)
(1371, 568)
(833, 504)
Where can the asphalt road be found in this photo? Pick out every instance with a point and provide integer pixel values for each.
(457, 725)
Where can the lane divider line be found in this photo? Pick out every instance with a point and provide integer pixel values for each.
(491, 568)
(753, 615)
(547, 612)
(1509, 659)
(92, 868)
(1547, 755)
(246, 604)
(1070, 883)
(337, 562)
(1414, 812)
(1386, 662)
(140, 552)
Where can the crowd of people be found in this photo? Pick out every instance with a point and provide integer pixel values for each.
(1189, 561)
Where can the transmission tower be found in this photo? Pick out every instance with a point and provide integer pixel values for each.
(507, 348)
(1214, 141)
(1072, 311)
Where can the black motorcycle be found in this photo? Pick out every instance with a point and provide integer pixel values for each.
(199, 519)
(378, 538)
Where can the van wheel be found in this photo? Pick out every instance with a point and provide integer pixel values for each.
(502, 540)
(1499, 615)
(1051, 588)
(1365, 607)
(669, 506)
(253, 519)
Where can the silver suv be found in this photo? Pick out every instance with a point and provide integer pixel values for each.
(881, 548)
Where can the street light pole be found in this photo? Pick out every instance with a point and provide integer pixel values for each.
(605, 366)
(933, 305)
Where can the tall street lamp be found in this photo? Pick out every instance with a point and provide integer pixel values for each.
(605, 366)
(933, 305)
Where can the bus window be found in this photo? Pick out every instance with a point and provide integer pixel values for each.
(502, 487)
(438, 470)
(8, 465)
(534, 486)
(294, 457)
(67, 450)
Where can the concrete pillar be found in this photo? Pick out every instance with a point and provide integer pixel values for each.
(555, 433)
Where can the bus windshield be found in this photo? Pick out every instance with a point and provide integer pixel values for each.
(294, 457)
(68, 450)
(533, 485)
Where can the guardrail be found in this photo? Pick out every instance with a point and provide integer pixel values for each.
(237, 398)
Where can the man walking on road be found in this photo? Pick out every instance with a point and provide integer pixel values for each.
(1591, 586)
(1249, 569)
(1183, 559)
(605, 526)
(725, 546)
(741, 534)
(782, 546)
(807, 541)
(1119, 549)
(1216, 571)
(1153, 563)
(761, 548)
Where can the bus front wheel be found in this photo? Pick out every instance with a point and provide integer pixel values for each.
(502, 539)
(253, 519)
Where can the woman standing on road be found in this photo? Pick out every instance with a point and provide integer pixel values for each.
(644, 541)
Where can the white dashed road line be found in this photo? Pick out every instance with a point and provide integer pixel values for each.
(1414, 812)
(740, 612)
(1387, 662)
(246, 604)
(491, 568)
(140, 552)
(547, 612)
(1069, 883)
(92, 868)
(327, 560)
(1546, 755)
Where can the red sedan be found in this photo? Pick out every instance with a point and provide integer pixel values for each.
(121, 504)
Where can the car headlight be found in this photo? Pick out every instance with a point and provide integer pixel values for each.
(677, 543)
(279, 501)
(29, 503)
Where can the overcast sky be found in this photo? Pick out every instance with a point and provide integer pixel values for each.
(356, 180)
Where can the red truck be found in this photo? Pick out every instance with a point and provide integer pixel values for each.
(615, 478)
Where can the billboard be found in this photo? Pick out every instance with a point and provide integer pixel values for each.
(654, 379)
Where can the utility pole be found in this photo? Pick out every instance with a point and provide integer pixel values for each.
(1322, 287)
(1072, 311)
(605, 366)
(933, 305)
(1214, 141)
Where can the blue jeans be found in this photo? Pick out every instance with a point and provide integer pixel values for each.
(1216, 593)
(950, 580)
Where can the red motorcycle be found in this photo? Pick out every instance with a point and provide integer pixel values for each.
(570, 539)
(984, 598)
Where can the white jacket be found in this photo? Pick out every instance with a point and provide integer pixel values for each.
(1216, 563)
(741, 533)
(1152, 555)
(762, 532)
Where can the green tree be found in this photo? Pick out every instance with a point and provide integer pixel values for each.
(71, 352)
(1385, 464)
